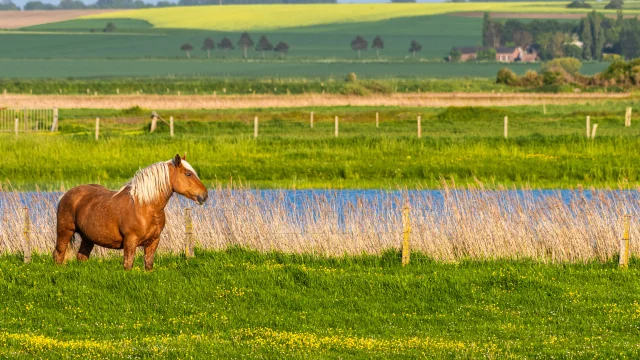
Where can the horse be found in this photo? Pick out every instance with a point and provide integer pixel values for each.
(125, 219)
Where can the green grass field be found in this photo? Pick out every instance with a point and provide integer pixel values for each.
(244, 304)
(465, 143)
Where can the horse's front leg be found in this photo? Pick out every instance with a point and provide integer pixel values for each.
(149, 253)
(129, 249)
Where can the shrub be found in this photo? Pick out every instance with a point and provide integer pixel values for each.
(486, 55)
(352, 77)
(455, 55)
(531, 78)
(507, 77)
(614, 4)
(579, 4)
(611, 57)
(569, 65)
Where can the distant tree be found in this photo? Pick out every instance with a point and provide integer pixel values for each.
(414, 48)
(573, 51)
(358, 44)
(38, 5)
(245, 42)
(71, 4)
(614, 4)
(208, 45)
(225, 44)
(186, 47)
(403, 1)
(161, 4)
(111, 27)
(491, 31)
(264, 45)
(377, 44)
(579, 4)
(630, 38)
(281, 48)
(8, 5)
(522, 39)
(486, 55)
(587, 38)
(455, 55)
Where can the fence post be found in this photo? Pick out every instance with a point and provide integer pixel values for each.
(406, 232)
(419, 127)
(27, 232)
(54, 126)
(255, 127)
(588, 127)
(97, 128)
(188, 230)
(117, 91)
(171, 126)
(377, 120)
(336, 127)
(506, 127)
(624, 243)
(544, 108)
(593, 131)
(311, 119)
(16, 126)
(627, 117)
(154, 122)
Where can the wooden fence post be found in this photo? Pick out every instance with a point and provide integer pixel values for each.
(624, 243)
(171, 126)
(97, 128)
(117, 91)
(627, 117)
(406, 233)
(377, 120)
(54, 125)
(588, 127)
(506, 127)
(27, 232)
(593, 131)
(544, 108)
(188, 230)
(336, 128)
(255, 127)
(16, 126)
(311, 119)
(419, 127)
(154, 122)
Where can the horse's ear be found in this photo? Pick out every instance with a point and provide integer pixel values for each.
(184, 157)
(177, 160)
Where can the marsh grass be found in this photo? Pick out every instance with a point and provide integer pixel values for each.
(449, 225)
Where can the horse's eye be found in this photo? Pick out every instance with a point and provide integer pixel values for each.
(188, 173)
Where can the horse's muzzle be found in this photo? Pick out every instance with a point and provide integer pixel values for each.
(202, 198)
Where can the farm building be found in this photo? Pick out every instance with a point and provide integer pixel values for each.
(503, 54)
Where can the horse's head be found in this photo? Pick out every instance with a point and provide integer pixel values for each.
(185, 181)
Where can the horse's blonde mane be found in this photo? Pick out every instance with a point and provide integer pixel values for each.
(150, 183)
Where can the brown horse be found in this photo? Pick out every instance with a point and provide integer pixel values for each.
(126, 219)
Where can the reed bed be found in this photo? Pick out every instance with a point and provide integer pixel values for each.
(448, 224)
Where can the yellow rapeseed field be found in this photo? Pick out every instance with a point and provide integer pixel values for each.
(269, 17)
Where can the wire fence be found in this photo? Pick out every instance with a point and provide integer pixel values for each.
(447, 225)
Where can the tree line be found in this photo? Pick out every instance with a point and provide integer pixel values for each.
(139, 4)
(593, 37)
(360, 44)
(245, 43)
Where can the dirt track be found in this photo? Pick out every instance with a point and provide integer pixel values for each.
(18, 19)
(270, 101)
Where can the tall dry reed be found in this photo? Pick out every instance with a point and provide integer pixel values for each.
(448, 225)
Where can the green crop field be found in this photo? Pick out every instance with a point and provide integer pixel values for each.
(548, 151)
(239, 303)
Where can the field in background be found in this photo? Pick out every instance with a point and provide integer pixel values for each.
(244, 304)
(548, 151)
(20, 19)
(268, 17)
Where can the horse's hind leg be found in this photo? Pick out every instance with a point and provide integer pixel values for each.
(85, 249)
(64, 237)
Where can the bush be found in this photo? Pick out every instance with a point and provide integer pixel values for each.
(573, 51)
(611, 57)
(352, 77)
(507, 77)
(579, 4)
(614, 4)
(455, 55)
(531, 79)
(486, 55)
(569, 65)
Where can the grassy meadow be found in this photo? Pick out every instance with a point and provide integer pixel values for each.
(547, 151)
(239, 303)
